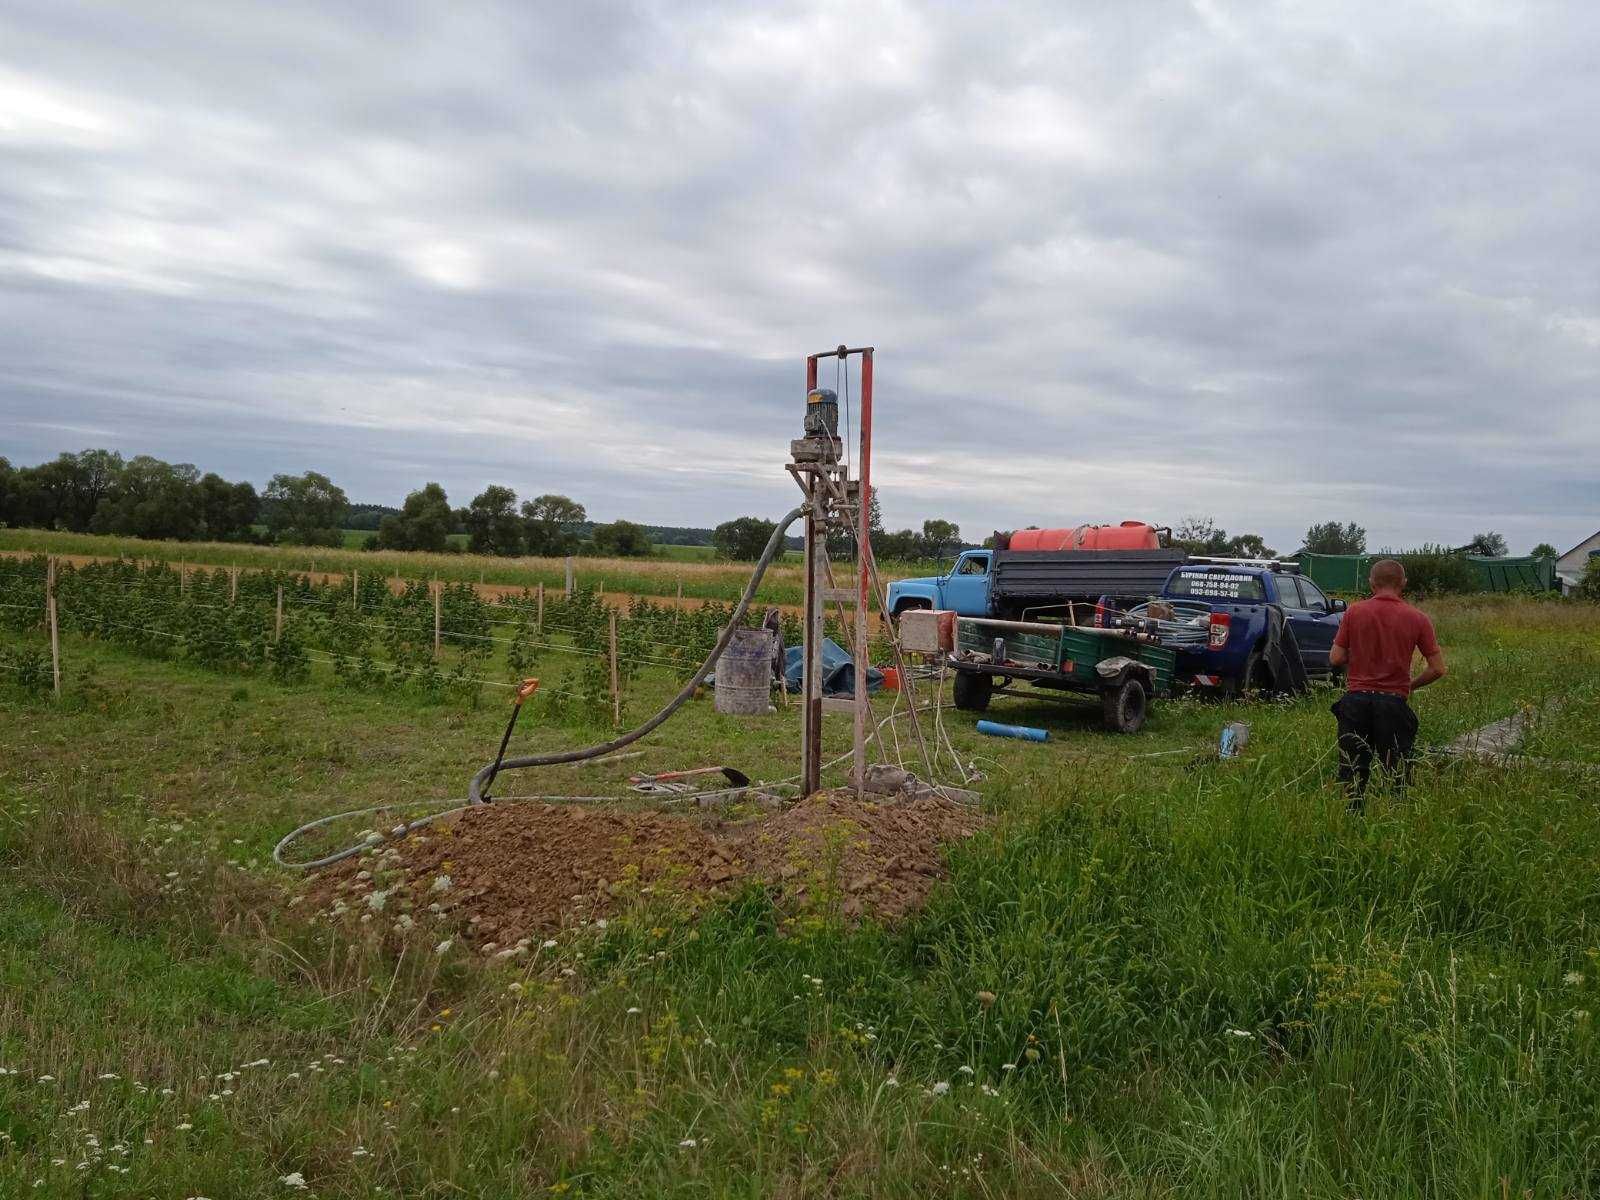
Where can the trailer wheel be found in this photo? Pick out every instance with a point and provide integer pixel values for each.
(973, 691)
(1125, 704)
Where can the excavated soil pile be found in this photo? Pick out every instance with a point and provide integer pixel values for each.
(500, 873)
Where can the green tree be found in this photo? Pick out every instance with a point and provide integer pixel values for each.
(842, 542)
(623, 539)
(152, 499)
(1589, 586)
(742, 539)
(1544, 550)
(228, 510)
(305, 508)
(1330, 537)
(493, 526)
(1488, 545)
(940, 538)
(424, 522)
(8, 477)
(551, 524)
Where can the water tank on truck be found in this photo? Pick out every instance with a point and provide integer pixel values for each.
(1129, 535)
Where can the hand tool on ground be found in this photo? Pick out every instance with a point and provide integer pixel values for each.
(737, 778)
(525, 689)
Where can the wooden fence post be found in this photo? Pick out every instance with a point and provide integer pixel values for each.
(55, 628)
(436, 618)
(569, 577)
(616, 690)
(677, 608)
(539, 622)
(355, 588)
(233, 585)
(277, 624)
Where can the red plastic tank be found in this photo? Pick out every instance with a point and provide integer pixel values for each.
(1130, 535)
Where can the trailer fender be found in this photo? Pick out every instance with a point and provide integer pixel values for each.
(1113, 671)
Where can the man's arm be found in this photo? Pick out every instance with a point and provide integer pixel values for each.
(1338, 655)
(1433, 672)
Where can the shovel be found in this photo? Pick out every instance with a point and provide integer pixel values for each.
(737, 778)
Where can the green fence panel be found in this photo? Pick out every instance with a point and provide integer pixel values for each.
(1337, 572)
(1514, 574)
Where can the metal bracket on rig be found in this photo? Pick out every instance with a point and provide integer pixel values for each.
(836, 499)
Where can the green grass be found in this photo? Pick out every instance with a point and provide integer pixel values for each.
(1210, 980)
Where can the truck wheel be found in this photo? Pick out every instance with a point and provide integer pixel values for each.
(1254, 678)
(906, 606)
(973, 691)
(1125, 705)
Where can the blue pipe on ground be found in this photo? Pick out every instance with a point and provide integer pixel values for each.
(1026, 732)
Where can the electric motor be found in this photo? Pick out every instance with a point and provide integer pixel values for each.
(822, 413)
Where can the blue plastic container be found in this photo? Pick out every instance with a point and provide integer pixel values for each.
(1026, 732)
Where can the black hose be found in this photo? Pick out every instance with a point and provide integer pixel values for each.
(489, 770)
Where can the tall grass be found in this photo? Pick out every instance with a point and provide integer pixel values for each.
(1149, 978)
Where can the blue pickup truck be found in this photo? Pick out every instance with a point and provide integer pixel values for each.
(1239, 606)
(1242, 606)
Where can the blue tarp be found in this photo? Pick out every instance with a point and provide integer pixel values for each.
(838, 671)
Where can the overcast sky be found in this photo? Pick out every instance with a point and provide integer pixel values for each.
(1275, 263)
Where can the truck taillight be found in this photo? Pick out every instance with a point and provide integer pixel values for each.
(1219, 630)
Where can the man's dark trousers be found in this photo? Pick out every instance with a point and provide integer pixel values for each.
(1372, 725)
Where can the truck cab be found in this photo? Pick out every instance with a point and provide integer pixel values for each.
(964, 589)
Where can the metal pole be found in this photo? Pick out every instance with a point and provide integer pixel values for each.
(864, 557)
(811, 648)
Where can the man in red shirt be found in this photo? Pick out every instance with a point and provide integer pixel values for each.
(1376, 642)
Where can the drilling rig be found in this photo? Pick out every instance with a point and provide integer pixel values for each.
(837, 494)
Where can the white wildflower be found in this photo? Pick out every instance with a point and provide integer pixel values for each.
(688, 1143)
(1240, 1033)
(965, 1070)
(444, 946)
(293, 1179)
(939, 1088)
(1572, 978)
(441, 883)
(376, 901)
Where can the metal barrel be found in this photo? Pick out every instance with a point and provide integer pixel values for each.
(744, 673)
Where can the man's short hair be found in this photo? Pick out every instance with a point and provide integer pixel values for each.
(1387, 573)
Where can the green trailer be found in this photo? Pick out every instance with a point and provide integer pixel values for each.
(1126, 671)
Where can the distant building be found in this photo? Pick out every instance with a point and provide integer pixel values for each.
(1571, 565)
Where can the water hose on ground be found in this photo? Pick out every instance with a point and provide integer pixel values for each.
(486, 774)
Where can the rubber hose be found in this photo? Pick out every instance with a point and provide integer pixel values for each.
(774, 543)
(475, 787)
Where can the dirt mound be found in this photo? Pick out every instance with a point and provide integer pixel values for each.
(505, 872)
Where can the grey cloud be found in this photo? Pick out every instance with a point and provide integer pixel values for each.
(1147, 259)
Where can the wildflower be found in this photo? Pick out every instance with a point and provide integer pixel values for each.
(183, 1126)
(1009, 1067)
(1240, 1033)
(110, 1075)
(260, 1062)
(939, 1088)
(444, 946)
(441, 883)
(891, 1082)
(376, 901)
(965, 1070)
(81, 1106)
(633, 1012)
(987, 1090)
(794, 1073)
(1572, 978)
(293, 1179)
(688, 1144)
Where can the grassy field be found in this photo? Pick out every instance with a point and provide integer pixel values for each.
(693, 567)
(1207, 979)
